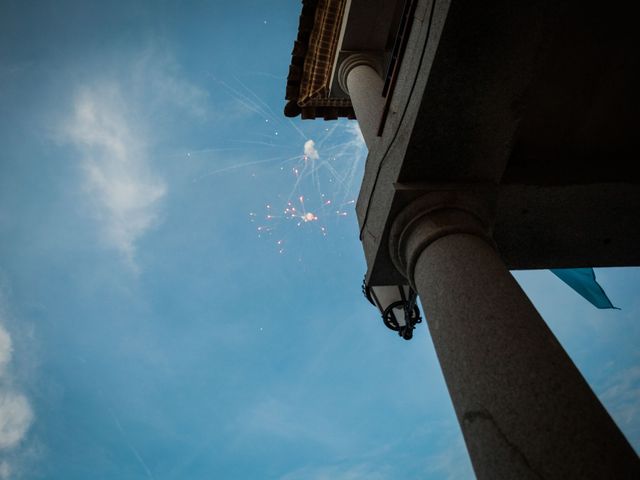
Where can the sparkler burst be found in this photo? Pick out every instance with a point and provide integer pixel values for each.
(321, 189)
(307, 173)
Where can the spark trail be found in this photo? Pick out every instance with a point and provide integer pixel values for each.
(316, 168)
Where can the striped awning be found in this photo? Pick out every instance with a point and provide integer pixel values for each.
(314, 52)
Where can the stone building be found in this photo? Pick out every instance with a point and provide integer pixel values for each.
(502, 135)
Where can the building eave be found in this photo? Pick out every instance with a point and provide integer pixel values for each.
(312, 61)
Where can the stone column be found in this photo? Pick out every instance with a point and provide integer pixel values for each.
(358, 76)
(525, 410)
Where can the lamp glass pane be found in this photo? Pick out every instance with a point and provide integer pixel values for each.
(386, 295)
(399, 313)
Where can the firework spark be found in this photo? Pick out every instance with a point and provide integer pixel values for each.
(322, 171)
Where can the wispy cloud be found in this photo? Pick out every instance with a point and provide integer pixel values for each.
(16, 414)
(15, 418)
(158, 79)
(124, 193)
(114, 124)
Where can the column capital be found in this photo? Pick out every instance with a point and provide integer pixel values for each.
(433, 216)
(355, 60)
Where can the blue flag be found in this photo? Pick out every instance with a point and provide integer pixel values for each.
(583, 281)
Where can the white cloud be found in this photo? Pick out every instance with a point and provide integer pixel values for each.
(310, 150)
(15, 419)
(16, 415)
(124, 192)
(115, 126)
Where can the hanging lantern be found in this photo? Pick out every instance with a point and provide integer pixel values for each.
(397, 305)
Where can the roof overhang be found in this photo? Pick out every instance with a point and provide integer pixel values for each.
(329, 31)
(535, 108)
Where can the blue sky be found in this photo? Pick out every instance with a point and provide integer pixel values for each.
(180, 270)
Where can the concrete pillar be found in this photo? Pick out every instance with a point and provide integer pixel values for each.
(525, 410)
(358, 76)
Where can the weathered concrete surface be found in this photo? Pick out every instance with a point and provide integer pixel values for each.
(568, 226)
(540, 94)
(376, 202)
(364, 85)
(525, 410)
